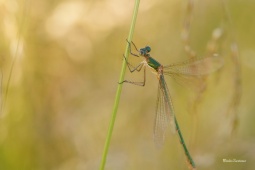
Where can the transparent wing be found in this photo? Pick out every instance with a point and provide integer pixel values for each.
(164, 113)
(196, 66)
(195, 83)
(191, 73)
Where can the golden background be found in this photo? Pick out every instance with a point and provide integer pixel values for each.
(67, 59)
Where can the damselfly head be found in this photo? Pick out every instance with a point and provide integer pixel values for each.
(145, 50)
(148, 49)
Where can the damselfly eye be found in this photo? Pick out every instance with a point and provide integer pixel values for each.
(148, 49)
(145, 50)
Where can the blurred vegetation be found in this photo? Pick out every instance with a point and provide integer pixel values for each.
(67, 57)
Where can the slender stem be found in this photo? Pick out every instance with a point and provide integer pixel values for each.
(235, 56)
(15, 56)
(117, 97)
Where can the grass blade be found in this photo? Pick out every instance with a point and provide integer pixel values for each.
(119, 89)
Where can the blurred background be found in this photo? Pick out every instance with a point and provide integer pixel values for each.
(67, 57)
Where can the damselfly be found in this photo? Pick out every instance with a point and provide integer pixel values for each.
(165, 113)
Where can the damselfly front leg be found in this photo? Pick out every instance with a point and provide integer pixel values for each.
(135, 68)
(130, 51)
(139, 66)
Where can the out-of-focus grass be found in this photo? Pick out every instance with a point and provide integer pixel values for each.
(65, 77)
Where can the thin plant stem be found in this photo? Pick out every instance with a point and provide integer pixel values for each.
(15, 56)
(235, 56)
(119, 89)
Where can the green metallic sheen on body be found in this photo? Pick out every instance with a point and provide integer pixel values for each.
(153, 63)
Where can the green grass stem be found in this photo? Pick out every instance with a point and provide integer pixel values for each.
(119, 89)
